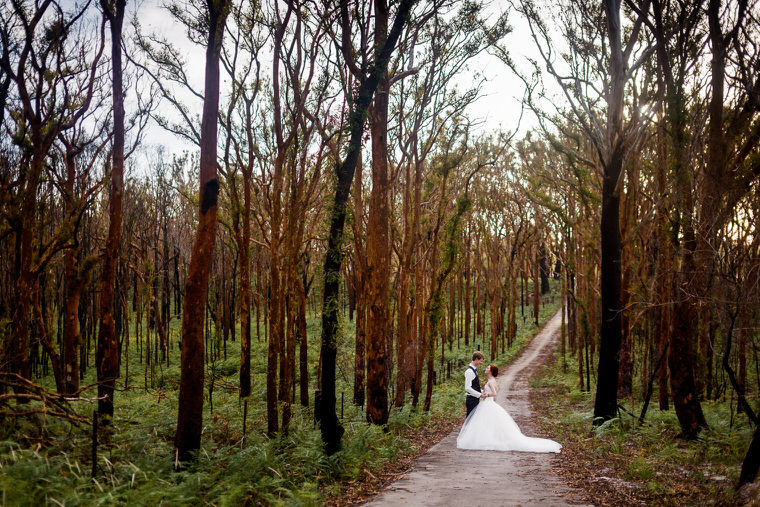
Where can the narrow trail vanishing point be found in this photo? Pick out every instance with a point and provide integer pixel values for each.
(450, 476)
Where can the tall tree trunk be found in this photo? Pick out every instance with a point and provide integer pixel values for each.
(467, 292)
(107, 358)
(663, 262)
(74, 285)
(245, 292)
(605, 404)
(452, 310)
(332, 431)
(403, 336)
(303, 372)
(681, 356)
(742, 358)
(544, 265)
(536, 290)
(378, 244)
(418, 338)
(625, 384)
(276, 292)
(187, 440)
(360, 277)
(71, 336)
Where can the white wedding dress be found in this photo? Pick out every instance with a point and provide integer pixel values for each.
(490, 427)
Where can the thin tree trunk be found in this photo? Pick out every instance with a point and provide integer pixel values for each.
(360, 270)
(74, 285)
(303, 372)
(467, 293)
(245, 292)
(536, 289)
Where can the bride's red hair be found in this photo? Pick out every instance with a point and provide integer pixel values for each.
(494, 369)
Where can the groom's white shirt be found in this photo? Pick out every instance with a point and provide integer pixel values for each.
(469, 376)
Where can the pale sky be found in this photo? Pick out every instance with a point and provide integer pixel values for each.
(497, 108)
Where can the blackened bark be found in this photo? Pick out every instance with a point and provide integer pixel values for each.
(544, 265)
(681, 359)
(332, 431)
(751, 463)
(605, 404)
(190, 414)
(245, 292)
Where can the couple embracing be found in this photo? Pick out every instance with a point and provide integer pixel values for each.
(488, 426)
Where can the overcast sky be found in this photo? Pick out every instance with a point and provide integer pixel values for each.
(498, 108)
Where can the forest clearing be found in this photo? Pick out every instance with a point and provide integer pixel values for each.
(255, 252)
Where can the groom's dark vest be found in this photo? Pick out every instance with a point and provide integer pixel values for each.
(476, 381)
(471, 401)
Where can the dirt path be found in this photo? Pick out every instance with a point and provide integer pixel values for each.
(449, 476)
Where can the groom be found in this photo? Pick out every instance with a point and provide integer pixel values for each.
(472, 382)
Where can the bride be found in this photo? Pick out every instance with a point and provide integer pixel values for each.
(490, 427)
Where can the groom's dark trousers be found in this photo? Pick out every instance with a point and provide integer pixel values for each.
(471, 403)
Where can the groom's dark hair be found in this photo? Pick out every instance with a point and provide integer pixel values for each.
(477, 355)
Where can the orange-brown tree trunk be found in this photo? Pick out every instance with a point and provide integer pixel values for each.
(378, 243)
(331, 428)
(536, 288)
(663, 267)
(303, 372)
(107, 357)
(360, 274)
(187, 439)
(419, 330)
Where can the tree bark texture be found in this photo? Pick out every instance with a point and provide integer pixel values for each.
(378, 244)
(605, 404)
(331, 429)
(187, 439)
(245, 292)
(107, 357)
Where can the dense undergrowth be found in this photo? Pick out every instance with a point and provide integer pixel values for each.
(46, 461)
(645, 463)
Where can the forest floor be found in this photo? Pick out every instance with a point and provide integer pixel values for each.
(448, 476)
(625, 463)
(46, 461)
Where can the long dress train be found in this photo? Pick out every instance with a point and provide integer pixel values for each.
(490, 427)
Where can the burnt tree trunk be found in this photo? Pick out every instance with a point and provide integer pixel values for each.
(332, 431)
(107, 357)
(190, 414)
(544, 265)
(605, 404)
(245, 292)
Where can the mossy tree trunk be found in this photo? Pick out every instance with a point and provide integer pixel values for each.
(331, 429)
